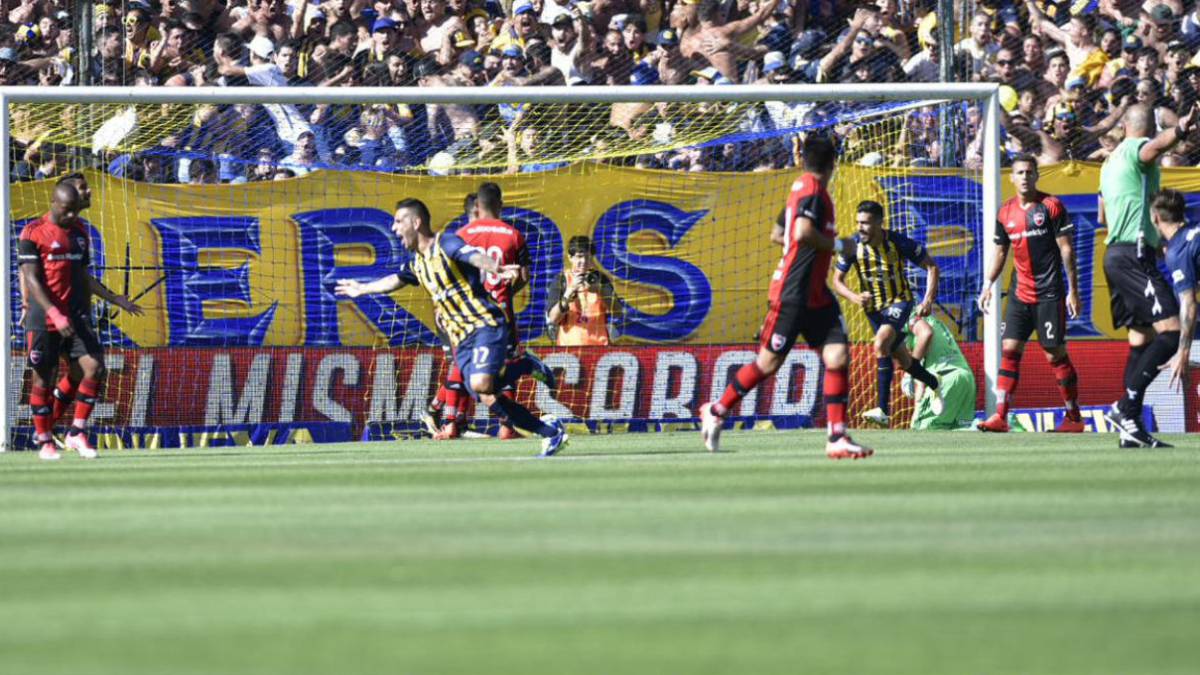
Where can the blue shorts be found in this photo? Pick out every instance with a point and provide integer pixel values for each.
(894, 315)
(483, 352)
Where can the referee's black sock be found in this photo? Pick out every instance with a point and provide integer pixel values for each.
(920, 374)
(1154, 355)
(1133, 406)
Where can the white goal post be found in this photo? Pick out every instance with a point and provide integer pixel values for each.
(985, 95)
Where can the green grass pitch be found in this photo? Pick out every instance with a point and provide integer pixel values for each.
(945, 553)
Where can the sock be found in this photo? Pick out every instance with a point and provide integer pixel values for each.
(463, 405)
(1157, 353)
(39, 402)
(1068, 385)
(747, 378)
(883, 375)
(922, 375)
(836, 388)
(88, 389)
(64, 395)
(1131, 366)
(1006, 383)
(520, 417)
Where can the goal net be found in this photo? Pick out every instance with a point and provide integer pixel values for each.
(231, 229)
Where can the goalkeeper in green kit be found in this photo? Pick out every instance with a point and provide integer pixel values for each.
(936, 348)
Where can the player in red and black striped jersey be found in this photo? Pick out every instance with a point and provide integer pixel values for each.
(54, 254)
(1036, 227)
(800, 303)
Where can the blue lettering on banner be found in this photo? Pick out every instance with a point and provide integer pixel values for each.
(683, 281)
(188, 285)
(321, 232)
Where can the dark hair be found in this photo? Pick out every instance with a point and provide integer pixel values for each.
(580, 243)
(490, 198)
(376, 74)
(1169, 205)
(415, 205)
(636, 20)
(200, 167)
(469, 203)
(70, 178)
(230, 44)
(708, 10)
(341, 29)
(1024, 158)
(871, 208)
(819, 152)
(538, 51)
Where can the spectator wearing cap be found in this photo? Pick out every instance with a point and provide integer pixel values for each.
(469, 71)
(290, 124)
(1078, 39)
(1176, 58)
(716, 42)
(775, 69)
(571, 45)
(304, 157)
(520, 28)
(385, 39)
(673, 66)
(1163, 25)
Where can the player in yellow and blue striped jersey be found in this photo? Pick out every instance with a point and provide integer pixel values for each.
(449, 270)
(878, 257)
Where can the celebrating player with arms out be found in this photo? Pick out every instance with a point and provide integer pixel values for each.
(54, 256)
(1183, 264)
(1035, 225)
(449, 270)
(878, 257)
(801, 304)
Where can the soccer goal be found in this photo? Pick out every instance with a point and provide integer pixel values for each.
(229, 224)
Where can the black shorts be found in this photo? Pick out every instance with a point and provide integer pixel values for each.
(45, 347)
(787, 321)
(894, 315)
(1048, 318)
(1139, 293)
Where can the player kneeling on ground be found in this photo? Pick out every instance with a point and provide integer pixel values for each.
(449, 270)
(932, 343)
(1035, 225)
(878, 257)
(800, 303)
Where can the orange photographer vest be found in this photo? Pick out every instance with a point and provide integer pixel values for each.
(586, 322)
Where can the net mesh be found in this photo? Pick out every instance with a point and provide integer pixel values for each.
(243, 339)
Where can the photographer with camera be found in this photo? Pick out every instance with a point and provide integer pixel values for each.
(582, 300)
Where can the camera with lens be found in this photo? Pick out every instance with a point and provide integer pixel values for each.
(591, 278)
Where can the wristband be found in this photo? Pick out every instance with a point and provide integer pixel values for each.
(59, 319)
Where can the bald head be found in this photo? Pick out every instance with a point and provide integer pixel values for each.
(64, 205)
(1139, 122)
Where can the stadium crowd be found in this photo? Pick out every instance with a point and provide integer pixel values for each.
(1069, 70)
